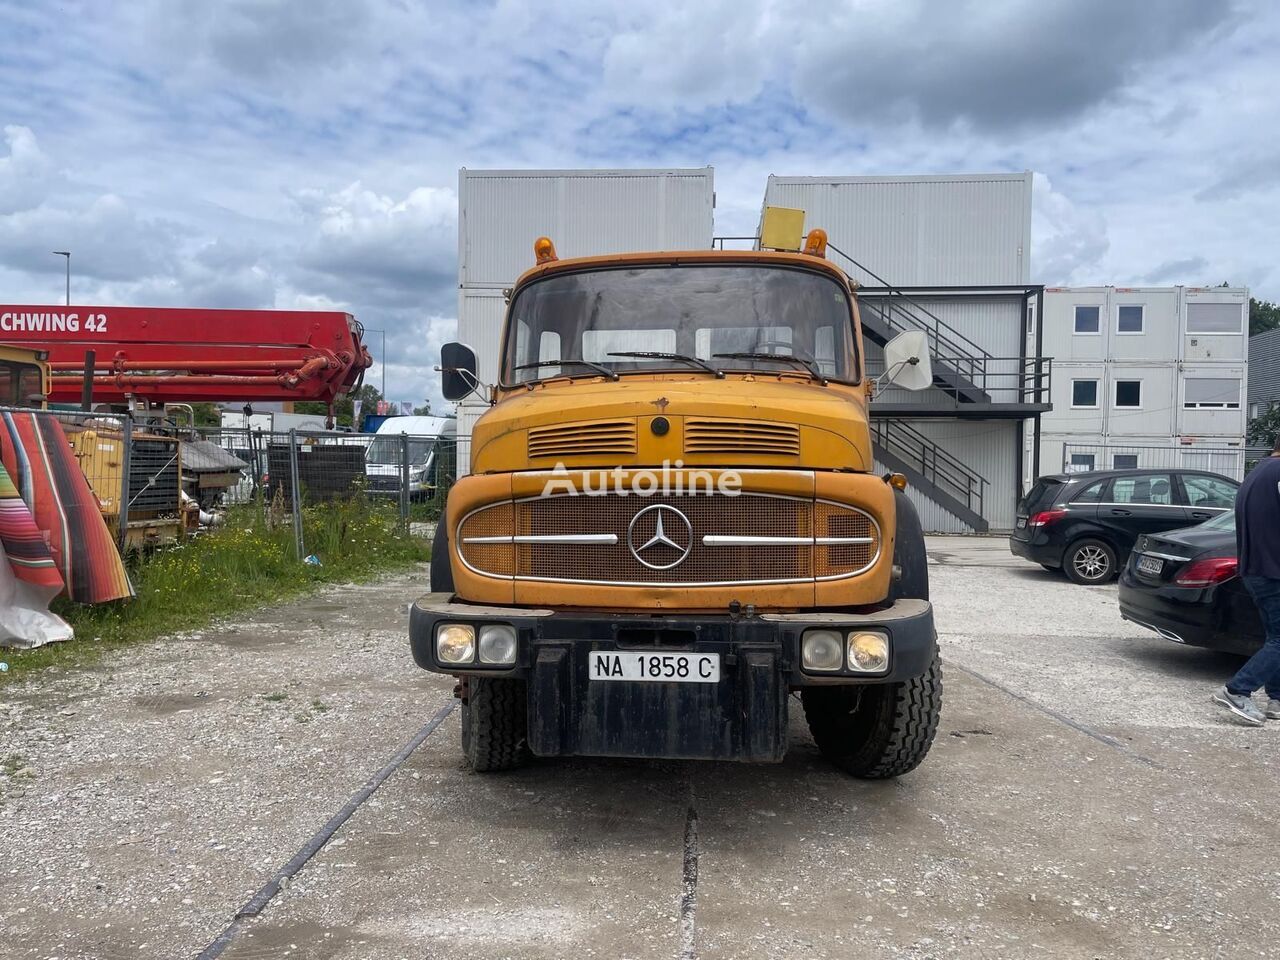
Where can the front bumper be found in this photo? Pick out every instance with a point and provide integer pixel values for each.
(743, 716)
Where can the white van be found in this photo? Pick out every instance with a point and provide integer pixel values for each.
(428, 439)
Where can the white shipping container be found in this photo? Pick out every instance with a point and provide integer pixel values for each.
(585, 213)
(961, 230)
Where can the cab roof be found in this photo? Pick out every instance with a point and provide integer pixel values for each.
(669, 257)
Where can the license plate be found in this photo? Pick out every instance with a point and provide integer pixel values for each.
(1151, 566)
(1022, 522)
(656, 667)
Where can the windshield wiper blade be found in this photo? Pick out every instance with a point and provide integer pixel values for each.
(655, 355)
(598, 367)
(808, 365)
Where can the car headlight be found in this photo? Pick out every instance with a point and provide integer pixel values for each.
(821, 650)
(455, 643)
(498, 644)
(868, 652)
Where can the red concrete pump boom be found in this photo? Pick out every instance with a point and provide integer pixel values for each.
(176, 355)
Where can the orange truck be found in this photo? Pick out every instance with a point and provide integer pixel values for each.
(673, 522)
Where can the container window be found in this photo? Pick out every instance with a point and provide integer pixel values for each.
(1211, 393)
(1215, 317)
(1082, 462)
(1129, 394)
(1084, 393)
(1088, 320)
(1129, 318)
(1124, 461)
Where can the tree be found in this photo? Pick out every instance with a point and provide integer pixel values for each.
(207, 414)
(1263, 316)
(1263, 430)
(423, 411)
(368, 395)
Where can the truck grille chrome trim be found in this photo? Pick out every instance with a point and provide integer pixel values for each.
(566, 538)
(752, 539)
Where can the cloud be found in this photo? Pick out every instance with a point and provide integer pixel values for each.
(398, 252)
(1067, 243)
(26, 174)
(1173, 272)
(994, 65)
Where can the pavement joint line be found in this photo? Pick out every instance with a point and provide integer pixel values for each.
(1060, 717)
(689, 883)
(317, 842)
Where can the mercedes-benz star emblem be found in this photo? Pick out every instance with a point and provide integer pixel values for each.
(671, 541)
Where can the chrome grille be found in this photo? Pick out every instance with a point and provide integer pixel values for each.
(741, 436)
(582, 439)
(751, 538)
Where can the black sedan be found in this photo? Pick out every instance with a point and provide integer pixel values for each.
(1183, 585)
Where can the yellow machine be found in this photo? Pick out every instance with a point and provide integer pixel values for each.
(24, 377)
(673, 521)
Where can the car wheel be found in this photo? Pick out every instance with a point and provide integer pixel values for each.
(1090, 562)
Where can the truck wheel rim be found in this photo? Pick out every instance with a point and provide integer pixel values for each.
(1091, 563)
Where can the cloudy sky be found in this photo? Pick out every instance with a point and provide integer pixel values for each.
(304, 153)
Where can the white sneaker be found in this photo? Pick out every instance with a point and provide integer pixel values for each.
(1242, 707)
(1273, 710)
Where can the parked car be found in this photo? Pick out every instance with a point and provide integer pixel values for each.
(1183, 584)
(1086, 523)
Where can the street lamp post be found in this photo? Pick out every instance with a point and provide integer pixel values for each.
(67, 254)
(382, 360)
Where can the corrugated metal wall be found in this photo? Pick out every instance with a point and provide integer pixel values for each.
(1264, 369)
(921, 231)
(585, 212)
(989, 447)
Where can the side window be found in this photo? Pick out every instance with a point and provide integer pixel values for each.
(1208, 492)
(1152, 489)
(1092, 493)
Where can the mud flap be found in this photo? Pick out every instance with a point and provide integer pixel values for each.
(743, 717)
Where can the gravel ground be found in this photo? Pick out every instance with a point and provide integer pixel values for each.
(1084, 799)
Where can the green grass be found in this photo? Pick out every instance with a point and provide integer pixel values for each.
(246, 563)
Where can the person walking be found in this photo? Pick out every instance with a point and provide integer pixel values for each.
(1258, 550)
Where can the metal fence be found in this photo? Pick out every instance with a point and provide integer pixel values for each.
(156, 481)
(1232, 462)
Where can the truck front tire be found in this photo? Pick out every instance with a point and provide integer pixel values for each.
(876, 731)
(495, 724)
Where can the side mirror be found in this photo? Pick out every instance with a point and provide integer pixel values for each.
(906, 361)
(457, 371)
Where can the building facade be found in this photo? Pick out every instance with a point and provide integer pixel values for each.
(949, 255)
(1146, 377)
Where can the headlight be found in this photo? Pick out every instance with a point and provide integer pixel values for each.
(868, 652)
(455, 643)
(498, 644)
(821, 650)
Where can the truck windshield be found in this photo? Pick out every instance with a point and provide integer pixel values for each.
(386, 449)
(695, 311)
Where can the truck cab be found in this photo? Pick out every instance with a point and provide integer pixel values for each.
(673, 522)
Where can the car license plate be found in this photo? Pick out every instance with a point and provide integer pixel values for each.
(656, 667)
(1152, 566)
(1022, 522)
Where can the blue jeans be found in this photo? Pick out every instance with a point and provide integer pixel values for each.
(1263, 668)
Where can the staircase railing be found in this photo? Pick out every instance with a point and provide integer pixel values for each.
(940, 468)
(1019, 380)
(900, 312)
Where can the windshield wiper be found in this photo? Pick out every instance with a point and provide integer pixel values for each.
(807, 364)
(653, 355)
(598, 367)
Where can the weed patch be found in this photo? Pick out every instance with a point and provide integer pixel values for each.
(246, 563)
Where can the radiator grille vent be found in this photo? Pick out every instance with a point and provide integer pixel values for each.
(583, 439)
(741, 436)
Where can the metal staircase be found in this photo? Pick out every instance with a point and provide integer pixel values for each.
(960, 366)
(942, 477)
